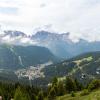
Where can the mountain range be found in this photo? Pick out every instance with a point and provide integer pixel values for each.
(59, 44)
(44, 55)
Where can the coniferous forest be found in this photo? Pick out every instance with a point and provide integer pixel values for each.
(56, 89)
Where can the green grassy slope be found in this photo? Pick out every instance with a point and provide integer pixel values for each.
(84, 67)
(95, 95)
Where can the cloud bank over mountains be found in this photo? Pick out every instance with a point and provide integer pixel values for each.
(79, 17)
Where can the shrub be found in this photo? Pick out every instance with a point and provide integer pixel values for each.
(73, 94)
(84, 92)
(95, 84)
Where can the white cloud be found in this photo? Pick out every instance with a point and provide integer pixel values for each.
(17, 40)
(80, 17)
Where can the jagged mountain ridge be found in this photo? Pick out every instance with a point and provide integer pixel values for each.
(59, 44)
(62, 46)
(14, 33)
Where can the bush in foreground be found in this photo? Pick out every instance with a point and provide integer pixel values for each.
(72, 94)
(95, 84)
(84, 92)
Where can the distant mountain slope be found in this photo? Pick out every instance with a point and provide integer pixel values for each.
(59, 44)
(84, 67)
(62, 46)
(14, 57)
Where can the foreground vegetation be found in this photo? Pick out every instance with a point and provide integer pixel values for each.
(70, 89)
(94, 95)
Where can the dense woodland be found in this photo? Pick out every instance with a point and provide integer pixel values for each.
(56, 88)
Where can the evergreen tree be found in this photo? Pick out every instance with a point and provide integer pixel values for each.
(2, 93)
(34, 97)
(61, 89)
(21, 94)
(40, 96)
(52, 94)
(79, 86)
(55, 88)
(55, 81)
(49, 88)
(70, 85)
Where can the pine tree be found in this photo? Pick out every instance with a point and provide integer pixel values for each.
(33, 96)
(70, 85)
(79, 86)
(21, 94)
(40, 96)
(52, 94)
(55, 81)
(61, 89)
(2, 93)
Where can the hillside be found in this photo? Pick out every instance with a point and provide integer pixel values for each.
(83, 67)
(16, 57)
(95, 95)
(62, 46)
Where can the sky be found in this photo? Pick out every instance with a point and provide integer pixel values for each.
(79, 17)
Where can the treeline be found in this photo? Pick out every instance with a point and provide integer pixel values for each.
(56, 88)
(18, 92)
(60, 88)
(70, 86)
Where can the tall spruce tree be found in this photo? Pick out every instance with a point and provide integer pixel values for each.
(61, 89)
(21, 94)
(70, 84)
(52, 94)
(40, 95)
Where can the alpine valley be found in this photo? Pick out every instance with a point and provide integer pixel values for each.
(40, 57)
